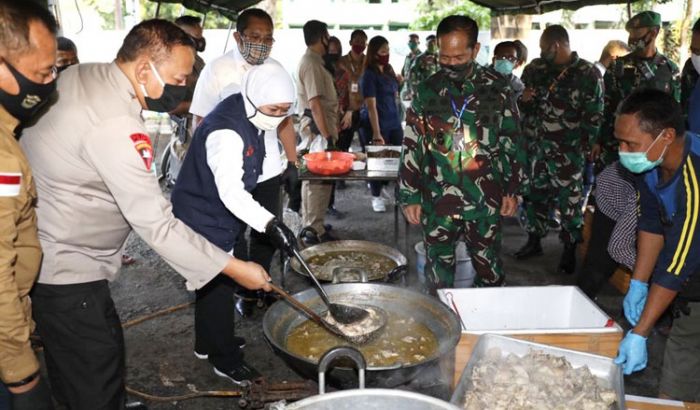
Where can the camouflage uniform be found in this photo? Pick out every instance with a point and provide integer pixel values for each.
(459, 167)
(561, 122)
(625, 75)
(689, 78)
(405, 72)
(424, 65)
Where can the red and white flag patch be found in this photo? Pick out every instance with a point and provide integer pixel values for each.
(10, 183)
(143, 146)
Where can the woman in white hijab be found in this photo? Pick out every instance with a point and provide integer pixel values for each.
(212, 195)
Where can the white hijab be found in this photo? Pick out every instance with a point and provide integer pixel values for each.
(265, 84)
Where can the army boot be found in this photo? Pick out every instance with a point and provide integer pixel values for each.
(533, 247)
(567, 264)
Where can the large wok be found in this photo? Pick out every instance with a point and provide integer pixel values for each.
(349, 273)
(281, 318)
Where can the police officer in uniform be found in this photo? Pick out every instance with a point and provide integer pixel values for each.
(27, 79)
(643, 67)
(462, 169)
(92, 160)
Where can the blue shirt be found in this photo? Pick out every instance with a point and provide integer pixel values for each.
(671, 209)
(384, 89)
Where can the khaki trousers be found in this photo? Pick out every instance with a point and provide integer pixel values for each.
(315, 196)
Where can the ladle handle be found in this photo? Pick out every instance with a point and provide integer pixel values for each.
(289, 298)
(322, 292)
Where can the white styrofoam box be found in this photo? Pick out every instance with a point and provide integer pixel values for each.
(529, 309)
(383, 164)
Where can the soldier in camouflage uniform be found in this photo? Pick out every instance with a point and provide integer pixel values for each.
(425, 65)
(562, 109)
(413, 42)
(461, 170)
(644, 67)
(690, 88)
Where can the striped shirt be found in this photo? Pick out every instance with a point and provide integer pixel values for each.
(671, 208)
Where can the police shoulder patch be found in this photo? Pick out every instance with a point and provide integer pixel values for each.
(10, 183)
(142, 144)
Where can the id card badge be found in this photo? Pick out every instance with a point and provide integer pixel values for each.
(354, 88)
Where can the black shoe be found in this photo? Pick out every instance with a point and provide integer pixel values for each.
(242, 372)
(533, 247)
(309, 236)
(137, 405)
(328, 237)
(245, 306)
(334, 212)
(567, 264)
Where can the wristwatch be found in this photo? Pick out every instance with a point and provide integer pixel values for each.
(24, 381)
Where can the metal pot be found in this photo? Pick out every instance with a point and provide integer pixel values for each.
(379, 399)
(343, 274)
(281, 318)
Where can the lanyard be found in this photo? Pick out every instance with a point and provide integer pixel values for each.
(459, 113)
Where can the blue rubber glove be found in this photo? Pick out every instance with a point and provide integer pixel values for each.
(634, 301)
(632, 353)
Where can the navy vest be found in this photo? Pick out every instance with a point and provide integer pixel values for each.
(195, 197)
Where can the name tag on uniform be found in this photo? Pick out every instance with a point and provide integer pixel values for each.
(354, 88)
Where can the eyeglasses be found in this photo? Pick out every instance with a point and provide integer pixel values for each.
(269, 40)
(512, 59)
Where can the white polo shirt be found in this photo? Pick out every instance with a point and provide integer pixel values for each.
(219, 79)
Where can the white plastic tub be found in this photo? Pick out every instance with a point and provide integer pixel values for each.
(464, 270)
(560, 316)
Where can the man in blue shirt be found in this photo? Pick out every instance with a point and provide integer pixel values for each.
(654, 144)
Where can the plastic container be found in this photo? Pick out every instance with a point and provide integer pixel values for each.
(560, 316)
(329, 162)
(464, 270)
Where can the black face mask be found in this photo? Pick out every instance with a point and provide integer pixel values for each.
(456, 70)
(31, 97)
(199, 44)
(172, 95)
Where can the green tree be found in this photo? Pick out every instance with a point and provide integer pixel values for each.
(430, 13)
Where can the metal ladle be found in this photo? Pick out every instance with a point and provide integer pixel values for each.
(342, 313)
(355, 339)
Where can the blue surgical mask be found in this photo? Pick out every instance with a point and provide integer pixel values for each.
(637, 162)
(504, 67)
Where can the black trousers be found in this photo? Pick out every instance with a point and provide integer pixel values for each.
(598, 266)
(345, 136)
(214, 323)
(83, 344)
(260, 249)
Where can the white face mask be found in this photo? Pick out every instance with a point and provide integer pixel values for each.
(695, 59)
(266, 122)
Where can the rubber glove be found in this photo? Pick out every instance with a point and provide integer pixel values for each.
(282, 236)
(632, 353)
(634, 301)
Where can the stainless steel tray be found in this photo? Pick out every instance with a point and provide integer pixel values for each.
(600, 366)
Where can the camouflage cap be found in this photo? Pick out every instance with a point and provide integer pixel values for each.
(644, 19)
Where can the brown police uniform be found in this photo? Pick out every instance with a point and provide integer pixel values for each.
(20, 255)
(92, 159)
(316, 82)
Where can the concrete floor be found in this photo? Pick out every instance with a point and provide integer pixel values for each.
(159, 351)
